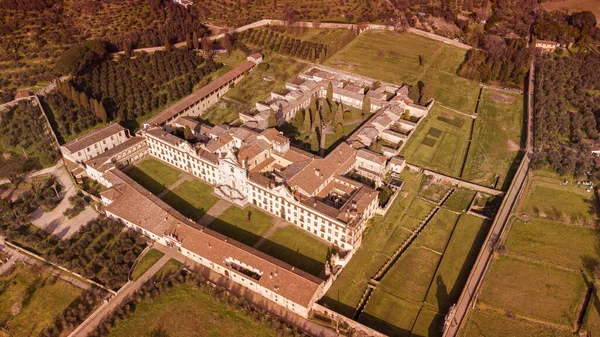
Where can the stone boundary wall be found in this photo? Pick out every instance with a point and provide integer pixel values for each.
(462, 183)
(363, 330)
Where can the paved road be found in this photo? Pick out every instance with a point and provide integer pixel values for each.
(482, 263)
(122, 295)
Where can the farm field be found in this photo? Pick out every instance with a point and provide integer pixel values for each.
(494, 324)
(399, 64)
(440, 141)
(460, 200)
(177, 313)
(30, 300)
(555, 242)
(575, 206)
(496, 139)
(533, 290)
(573, 6)
(537, 282)
(391, 315)
(193, 198)
(294, 246)
(154, 175)
(232, 223)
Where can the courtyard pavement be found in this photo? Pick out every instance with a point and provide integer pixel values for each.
(54, 221)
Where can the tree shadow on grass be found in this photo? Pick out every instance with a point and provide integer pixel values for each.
(183, 206)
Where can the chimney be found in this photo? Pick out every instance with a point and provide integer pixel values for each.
(317, 172)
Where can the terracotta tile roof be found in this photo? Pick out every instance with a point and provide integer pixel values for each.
(215, 144)
(272, 135)
(197, 95)
(371, 156)
(295, 154)
(397, 160)
(248, 152)
(165, 136)
(93, 137)
(190, 122)
(105, 157)
(311, 177)
(140, 207)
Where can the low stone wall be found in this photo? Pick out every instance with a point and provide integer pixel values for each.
(361, 329)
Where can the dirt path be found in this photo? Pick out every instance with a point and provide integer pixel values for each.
(214, 212)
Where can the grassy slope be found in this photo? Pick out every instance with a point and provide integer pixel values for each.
(40, 297)
(496, 138)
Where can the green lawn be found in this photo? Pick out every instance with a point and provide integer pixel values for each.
(429, 323)
(400, 64)
(186, 311)
(409, 278)
(318, 35)
(193, 198)
(460, 199)
(496, 139)
(30, 300)
(419, 209)
(232, 223)
(534, 290)
(434, 191)
(298, 248)
(380, 240)
(493, 324)
(444, 153)
(151, 257)
(153, 174)
(553, 241)
(457, 262)
(566, 203)
(437, 232)
(168, 269)
(388, 314)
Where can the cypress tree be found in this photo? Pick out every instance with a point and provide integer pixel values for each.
(366, 105)
(316, 117)
(102, 112)
(167, 45)
(307, 124)
(330, 92)
(195, 41)
(188, 134)
(338, 118)
(188, 42)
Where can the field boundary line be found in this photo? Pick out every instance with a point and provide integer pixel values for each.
(489, 308)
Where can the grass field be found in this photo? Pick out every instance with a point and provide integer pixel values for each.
(232, 223)
(444, 153)
(554, 242)
(496, 139)
(380, 240)
(30, 300)
(296, 247)
(193, 198)
(428, 323)
(410, 276)
(400, 64)
(567, 203)
(533, 290)
(493, 324)
(460, 199)
(391, 315)
(168, 269)
(185, 311)
(419, 209)
(154, 175)
(151, 257)
(457, 261)
(437, 232)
